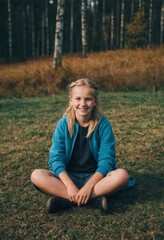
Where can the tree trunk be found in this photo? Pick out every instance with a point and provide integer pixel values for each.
(57, 61)
(162, 24)
(47, 29)
(150, 24)
(71, 27)
(33, 29)
(83, 27)
(43, 34)
(94, 25)
(140, 5)
(112, 29)
(122, 25)
(24, 34)
(132, 8)
(10, 31)
(105, 37)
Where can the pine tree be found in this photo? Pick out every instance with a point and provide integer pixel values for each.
(136, 31)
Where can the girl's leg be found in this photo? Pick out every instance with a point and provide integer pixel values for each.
(113, 182)
(48, 183)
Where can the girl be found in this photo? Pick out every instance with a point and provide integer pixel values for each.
(82, 155)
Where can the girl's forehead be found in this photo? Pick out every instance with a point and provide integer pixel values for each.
(83, 90)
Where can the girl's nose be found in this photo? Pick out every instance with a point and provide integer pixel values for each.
(82, 102)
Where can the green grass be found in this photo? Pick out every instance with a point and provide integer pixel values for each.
(26, 128)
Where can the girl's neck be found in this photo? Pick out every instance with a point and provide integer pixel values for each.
(83, 122)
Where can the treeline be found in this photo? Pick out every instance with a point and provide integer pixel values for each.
(27, 28)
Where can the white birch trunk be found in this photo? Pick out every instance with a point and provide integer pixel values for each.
(47, 29)
(83, 27)
(140, 5)
(71, 28)
(112, 29)
(105, 41)
(162, 24)
(132, 8)
(43, 34)
(122, 25)
(117, 26)
(94, 7)
(32, 29)
(59, 34)
(24, 34)
(150, 24)
(10, 31)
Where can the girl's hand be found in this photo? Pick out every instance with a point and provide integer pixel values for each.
(72, 191)
(83, 195)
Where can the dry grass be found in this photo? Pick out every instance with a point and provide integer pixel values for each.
(114, 70)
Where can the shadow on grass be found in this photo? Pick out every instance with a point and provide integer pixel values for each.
(148, 189)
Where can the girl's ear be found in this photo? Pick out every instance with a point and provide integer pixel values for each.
(70, 101)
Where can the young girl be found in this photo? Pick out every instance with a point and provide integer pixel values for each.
(82, 155)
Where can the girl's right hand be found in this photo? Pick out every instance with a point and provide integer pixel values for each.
(72, 191)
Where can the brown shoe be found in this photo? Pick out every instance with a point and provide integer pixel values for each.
(55, 204)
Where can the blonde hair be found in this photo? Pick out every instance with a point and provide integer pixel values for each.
(95, 115)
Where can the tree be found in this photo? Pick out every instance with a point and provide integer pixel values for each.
(150, 23)
(83, 27)
(59, 34)
(162, 24)
(71, 27)
(136, 31)
(104, 30)
(122, 24)
(10, 31)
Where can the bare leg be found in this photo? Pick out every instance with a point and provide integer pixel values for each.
(111, 183)
(48, 183)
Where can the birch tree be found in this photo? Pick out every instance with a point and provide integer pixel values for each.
(10, 31)
(132, 8)
(32, 29)
(105, 37)
(122, 25)
(162, 24)
(57, 61)
(47, 29)
(71, 27)
(112, 29)
(83, 27)
(43, 34)
(150, 23)
(24, 33)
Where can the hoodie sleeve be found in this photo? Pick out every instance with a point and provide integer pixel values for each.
(57, 153)
(106, 153)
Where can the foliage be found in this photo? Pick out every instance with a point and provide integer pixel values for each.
(113, 70)
(137, 31)
(27, 126)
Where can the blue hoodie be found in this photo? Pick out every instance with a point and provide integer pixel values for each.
(101, 141)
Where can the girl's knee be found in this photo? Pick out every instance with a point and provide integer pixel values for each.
(36, 174)
(120, 173)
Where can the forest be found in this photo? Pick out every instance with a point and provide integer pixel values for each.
(27, 28)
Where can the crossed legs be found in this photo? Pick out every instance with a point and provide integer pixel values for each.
(48, 183)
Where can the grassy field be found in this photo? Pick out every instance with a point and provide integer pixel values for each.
(26, 129)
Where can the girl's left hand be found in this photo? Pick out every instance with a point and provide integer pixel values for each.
(83, 195)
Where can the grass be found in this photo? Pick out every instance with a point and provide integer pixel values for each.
(27, 125)
(126, 70)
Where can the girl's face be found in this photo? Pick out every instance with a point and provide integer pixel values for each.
(83, 102)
